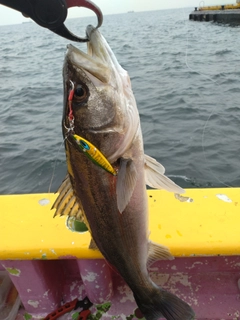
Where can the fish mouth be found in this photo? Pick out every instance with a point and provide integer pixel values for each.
(99, 63)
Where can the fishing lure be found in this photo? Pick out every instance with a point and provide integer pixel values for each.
(94, 154)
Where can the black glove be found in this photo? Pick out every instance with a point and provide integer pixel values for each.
(51, 14)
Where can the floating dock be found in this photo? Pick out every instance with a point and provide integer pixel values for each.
(229, 14)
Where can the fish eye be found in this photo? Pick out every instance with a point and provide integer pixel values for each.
(80, 93)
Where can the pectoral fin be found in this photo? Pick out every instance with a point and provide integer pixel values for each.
(155, 178)
(158, 252)
(126, 181)
(67, 204)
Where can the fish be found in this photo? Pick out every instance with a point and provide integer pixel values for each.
(100, 108)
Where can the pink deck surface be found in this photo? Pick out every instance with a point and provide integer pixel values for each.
(208, 284)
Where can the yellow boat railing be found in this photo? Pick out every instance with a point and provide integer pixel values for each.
(202, 222)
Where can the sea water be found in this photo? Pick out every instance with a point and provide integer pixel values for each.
(186, 79)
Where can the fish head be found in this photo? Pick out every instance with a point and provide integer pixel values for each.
(103, 103)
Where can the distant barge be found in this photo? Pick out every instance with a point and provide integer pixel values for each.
(229, 13)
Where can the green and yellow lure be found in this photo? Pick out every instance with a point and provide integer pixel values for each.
(94, 154)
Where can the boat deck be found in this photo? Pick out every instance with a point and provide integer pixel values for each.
(49, 263)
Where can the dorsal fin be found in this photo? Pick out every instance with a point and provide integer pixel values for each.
(66, 202)
(153, 164)
(155, 178)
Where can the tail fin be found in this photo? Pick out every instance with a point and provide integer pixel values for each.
(161, 303)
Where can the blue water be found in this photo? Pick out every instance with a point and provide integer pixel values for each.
(186, 80)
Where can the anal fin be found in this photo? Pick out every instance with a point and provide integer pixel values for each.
(157, 252)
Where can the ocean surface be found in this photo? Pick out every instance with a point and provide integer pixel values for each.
(186, 80)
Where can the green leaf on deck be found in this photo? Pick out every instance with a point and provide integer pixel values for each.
(75, 315)
(27, 316)
(104, 307)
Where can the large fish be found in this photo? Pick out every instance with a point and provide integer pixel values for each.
(108, 191)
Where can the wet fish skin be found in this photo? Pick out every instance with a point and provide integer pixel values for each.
(115, 207)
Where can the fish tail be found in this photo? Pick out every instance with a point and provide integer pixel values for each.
(160, 303)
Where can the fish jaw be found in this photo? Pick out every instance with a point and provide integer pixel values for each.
(95, 69)
(99, 61)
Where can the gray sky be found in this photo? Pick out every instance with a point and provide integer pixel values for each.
(9, 16)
